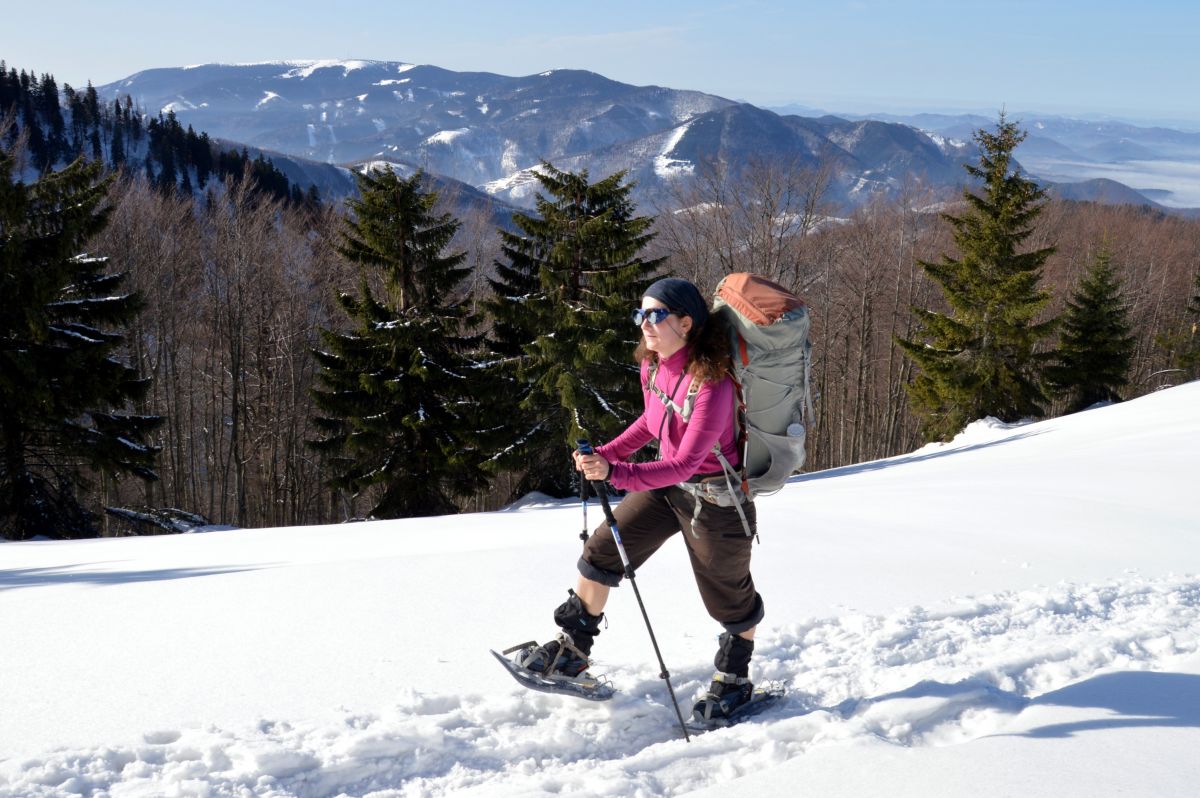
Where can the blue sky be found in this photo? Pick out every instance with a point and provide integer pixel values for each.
(1126, 59)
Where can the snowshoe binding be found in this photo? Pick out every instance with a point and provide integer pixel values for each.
(730, 700)
(555, 667)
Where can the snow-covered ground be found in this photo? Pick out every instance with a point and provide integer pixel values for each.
(1014, 613)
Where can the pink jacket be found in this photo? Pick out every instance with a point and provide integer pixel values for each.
(685, 449)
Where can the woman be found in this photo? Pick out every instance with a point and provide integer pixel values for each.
(681, 350)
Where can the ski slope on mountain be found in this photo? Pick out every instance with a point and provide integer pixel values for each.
(1014, 613)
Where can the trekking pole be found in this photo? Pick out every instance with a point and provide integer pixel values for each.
(602, 493)
(583, 496)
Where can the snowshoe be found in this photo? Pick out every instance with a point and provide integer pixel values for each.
(567, 673)
(730, 700)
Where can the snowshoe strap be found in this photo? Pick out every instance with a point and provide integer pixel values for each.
(564, 644)
(730, 678)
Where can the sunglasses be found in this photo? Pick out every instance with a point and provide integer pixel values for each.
(652, 315)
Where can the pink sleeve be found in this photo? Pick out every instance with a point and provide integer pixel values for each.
(712, 415)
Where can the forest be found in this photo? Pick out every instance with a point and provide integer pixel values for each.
(299, 362)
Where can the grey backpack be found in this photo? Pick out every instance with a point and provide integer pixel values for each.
(772, 364)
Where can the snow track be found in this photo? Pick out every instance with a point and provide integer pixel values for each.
(915, 677)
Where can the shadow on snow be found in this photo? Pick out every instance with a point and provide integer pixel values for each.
(892, 462)
(11, 579)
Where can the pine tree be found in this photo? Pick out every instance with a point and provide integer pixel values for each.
(118, 146)
(1096, 348)
(63, 391)
(50, 112)
(397, 396)
(562, 337)
(982, 359)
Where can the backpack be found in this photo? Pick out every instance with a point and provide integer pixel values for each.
(772, 363)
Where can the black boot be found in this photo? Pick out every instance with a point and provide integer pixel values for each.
(566, 655)
(730, 686)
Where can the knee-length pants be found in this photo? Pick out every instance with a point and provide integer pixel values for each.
(717, 545)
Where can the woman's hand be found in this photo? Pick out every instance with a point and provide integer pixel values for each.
(593, 466)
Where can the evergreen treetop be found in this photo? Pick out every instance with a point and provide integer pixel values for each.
(396, 233)
(982, 358)
(561, 333)
(1094, 354)
(398, 395)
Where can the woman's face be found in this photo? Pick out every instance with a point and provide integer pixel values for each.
(668, 336)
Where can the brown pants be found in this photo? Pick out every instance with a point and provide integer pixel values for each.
(716, 542)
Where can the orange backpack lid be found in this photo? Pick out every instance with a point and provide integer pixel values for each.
(757, 298)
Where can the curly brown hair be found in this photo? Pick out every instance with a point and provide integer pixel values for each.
(708, 350)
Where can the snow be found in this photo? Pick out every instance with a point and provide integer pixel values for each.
(519, 184)
(943, 143)
(1016, 612)
(179, 105)
(305, 69)
(267, 97)
(509, 158)
(447, 136)
(668, 167)
(379, 165)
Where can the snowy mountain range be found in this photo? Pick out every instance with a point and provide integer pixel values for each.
(490, 130)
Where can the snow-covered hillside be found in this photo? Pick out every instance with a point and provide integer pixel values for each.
(1014, 613)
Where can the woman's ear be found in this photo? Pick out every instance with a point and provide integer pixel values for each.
(685, 324)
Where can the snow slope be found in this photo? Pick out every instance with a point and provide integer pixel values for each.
(1014, 613)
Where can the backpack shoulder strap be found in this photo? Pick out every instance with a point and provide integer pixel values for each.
(689, 401)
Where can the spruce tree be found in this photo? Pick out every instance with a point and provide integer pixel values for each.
(64, 392)
(118, 146)
(1096, 347)
(397, 397)
(982, 357)
(562, 337)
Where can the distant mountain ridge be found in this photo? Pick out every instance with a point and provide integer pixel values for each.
(474, 126)
(1082, 157)
(491, 131)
